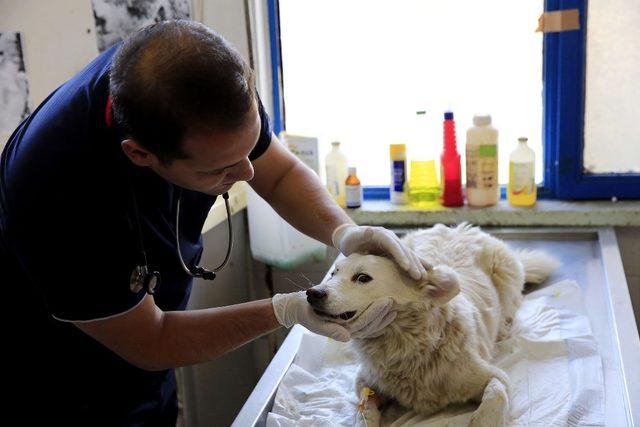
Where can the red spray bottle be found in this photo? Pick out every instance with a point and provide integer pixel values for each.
(450, 172)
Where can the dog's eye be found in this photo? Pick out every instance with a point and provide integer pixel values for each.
(362, 278)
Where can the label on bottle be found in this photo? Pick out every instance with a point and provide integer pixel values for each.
(482, 167)
(472, 167)
(354, 196)
(521, 178)
(398, 175)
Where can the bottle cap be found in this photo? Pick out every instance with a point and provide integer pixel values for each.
(336, 143)
(352, 170)
(397, 149)
(481, 120)
(523, 139)
(448, 115)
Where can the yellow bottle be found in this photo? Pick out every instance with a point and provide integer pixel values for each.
(522, 190)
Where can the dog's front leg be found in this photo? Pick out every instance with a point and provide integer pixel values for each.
(369, 410)
(494, 407)
(369, 413)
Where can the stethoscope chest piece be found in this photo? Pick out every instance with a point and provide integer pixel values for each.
(142, 278)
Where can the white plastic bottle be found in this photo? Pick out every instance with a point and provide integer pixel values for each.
(522, 190)
(336, 166)
(483, 188)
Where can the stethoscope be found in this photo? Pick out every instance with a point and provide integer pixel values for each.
(143, 277)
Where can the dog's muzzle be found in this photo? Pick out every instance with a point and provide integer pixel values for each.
(317, 298)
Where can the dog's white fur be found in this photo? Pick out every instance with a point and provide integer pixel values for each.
(439, 349)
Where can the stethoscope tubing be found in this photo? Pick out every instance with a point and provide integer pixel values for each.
(199, 271)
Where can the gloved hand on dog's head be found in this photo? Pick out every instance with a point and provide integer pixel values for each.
(293, 308)
(350, 238)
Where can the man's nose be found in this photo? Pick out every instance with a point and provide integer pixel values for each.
(242, 172)
(316, 296)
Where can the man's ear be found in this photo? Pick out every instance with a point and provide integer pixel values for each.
(139, 155)
(442, 285)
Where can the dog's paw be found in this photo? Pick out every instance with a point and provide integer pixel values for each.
(494, 408)
(370, 417)
(488, 420)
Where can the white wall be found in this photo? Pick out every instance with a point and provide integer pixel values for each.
(58, 40)
(59, 36)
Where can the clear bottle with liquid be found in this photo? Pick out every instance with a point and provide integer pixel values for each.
(336, 167)
(423, 184)
(522, 190)
(353, 189)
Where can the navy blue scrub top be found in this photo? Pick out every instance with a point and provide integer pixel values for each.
(68, 246)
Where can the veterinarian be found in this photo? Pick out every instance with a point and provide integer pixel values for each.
(90, 186)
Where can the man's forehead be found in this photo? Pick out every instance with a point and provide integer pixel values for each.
(223, 149)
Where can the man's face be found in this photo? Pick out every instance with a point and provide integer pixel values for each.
(215, 161)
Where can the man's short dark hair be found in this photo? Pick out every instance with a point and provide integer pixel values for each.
(176, 78)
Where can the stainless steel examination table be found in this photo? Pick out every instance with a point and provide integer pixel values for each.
(589, 256)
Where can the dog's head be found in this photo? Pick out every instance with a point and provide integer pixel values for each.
(359, 280)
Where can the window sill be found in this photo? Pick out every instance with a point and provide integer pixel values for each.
(543, 213)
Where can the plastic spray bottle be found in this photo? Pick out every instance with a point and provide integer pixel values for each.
(450, 170)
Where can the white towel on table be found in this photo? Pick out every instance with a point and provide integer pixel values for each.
(551, 359)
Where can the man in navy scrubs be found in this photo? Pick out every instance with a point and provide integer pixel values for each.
(88, 191)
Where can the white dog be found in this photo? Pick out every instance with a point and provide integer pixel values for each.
(439, 348)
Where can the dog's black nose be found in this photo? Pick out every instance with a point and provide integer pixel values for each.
(315, 296)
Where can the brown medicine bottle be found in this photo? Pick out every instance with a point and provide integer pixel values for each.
(353, 190)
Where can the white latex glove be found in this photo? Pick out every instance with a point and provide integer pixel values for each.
(293, 308)
(350, 238)
(371, 322)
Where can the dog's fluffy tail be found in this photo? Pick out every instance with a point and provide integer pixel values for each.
(538, 265)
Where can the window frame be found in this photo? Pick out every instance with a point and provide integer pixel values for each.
(564, 87)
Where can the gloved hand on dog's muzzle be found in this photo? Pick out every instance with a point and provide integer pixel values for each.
(371, 322)
(293, 308)
(350, 238)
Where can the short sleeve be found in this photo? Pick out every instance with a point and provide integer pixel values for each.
(68, 228)
(265, 133)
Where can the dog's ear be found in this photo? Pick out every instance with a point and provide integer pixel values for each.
(442, 285)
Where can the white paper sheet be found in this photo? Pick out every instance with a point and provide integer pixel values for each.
(551, 359)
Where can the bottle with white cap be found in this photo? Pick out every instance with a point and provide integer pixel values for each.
(522, 190)
(483, 188)
(336, 168)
